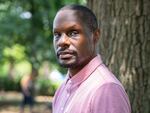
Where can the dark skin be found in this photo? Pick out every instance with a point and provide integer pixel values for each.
(74, 43)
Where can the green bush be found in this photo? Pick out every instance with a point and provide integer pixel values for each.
(8, 84)
(45, 87)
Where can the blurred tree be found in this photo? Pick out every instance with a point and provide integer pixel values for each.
(28, 23)
(125, 45)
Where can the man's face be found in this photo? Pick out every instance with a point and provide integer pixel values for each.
(73, 41)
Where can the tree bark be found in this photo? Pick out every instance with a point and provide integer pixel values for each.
(125, 45)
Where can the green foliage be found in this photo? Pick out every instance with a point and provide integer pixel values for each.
(8, 84)
(26, 35)
(75, 1)
(45, 87)
(16, 52)
(26, 31)
(28, 23)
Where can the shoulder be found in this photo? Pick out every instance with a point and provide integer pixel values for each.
(110, 97)
(101, 76)
(110, 89)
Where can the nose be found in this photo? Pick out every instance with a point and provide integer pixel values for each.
(63, 41)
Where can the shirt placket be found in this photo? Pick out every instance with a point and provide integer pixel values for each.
(68, 94)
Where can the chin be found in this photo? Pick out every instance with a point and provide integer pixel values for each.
(68, 65)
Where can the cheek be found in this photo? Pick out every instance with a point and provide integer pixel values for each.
(84, 47)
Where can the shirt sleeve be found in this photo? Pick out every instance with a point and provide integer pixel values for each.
(110, 98)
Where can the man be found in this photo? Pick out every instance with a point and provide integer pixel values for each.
(89, 87)
(27, 86)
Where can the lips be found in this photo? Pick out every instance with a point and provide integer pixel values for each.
(66, 54)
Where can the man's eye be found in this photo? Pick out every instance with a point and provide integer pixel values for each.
(73, 33)
(57, 35)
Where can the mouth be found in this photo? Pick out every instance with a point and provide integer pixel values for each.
(65, 55)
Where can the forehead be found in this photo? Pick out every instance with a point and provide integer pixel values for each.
(65, 18)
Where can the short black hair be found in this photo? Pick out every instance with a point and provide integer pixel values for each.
(86, 15)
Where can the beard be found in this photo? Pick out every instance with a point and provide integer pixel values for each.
(75, 62)
(71, 58)
(69, 63)
(67, 58)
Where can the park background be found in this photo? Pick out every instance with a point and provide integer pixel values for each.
(26, 42)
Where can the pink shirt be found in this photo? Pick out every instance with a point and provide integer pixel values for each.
(92, 90)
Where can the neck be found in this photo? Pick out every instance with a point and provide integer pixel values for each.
(75, 70)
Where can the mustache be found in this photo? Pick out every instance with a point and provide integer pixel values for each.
(64, 51)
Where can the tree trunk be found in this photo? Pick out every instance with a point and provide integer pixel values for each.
(125, 45)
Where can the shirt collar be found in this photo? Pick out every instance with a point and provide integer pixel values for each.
(85, 72)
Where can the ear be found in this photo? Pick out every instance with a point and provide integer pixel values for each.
(96, 36)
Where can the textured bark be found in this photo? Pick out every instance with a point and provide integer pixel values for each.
(125, 45)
